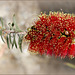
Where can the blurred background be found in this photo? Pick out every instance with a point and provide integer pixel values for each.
(13, 61)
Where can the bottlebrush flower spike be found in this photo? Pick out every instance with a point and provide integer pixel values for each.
(53, 34)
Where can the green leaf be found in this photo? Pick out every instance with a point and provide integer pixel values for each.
(7, 39)
(15, 45)
(10, 38)
(2, 22)
(20, 42)
(14, 42)
(0, 32)
(2, 39)
(70, 65)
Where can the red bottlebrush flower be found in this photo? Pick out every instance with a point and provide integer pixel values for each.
(53, 34)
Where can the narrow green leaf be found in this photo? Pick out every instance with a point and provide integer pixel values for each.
(0, 32)
(20, 42)
(2, 22)
(7, 39)
(14, 42)
(20, 46)
(2, 39)
(15, 45)
(70, 65)
(10, 38)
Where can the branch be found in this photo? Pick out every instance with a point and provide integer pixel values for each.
(11, 31)
(10, 38)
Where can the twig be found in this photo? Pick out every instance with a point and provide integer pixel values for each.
(11, 31)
